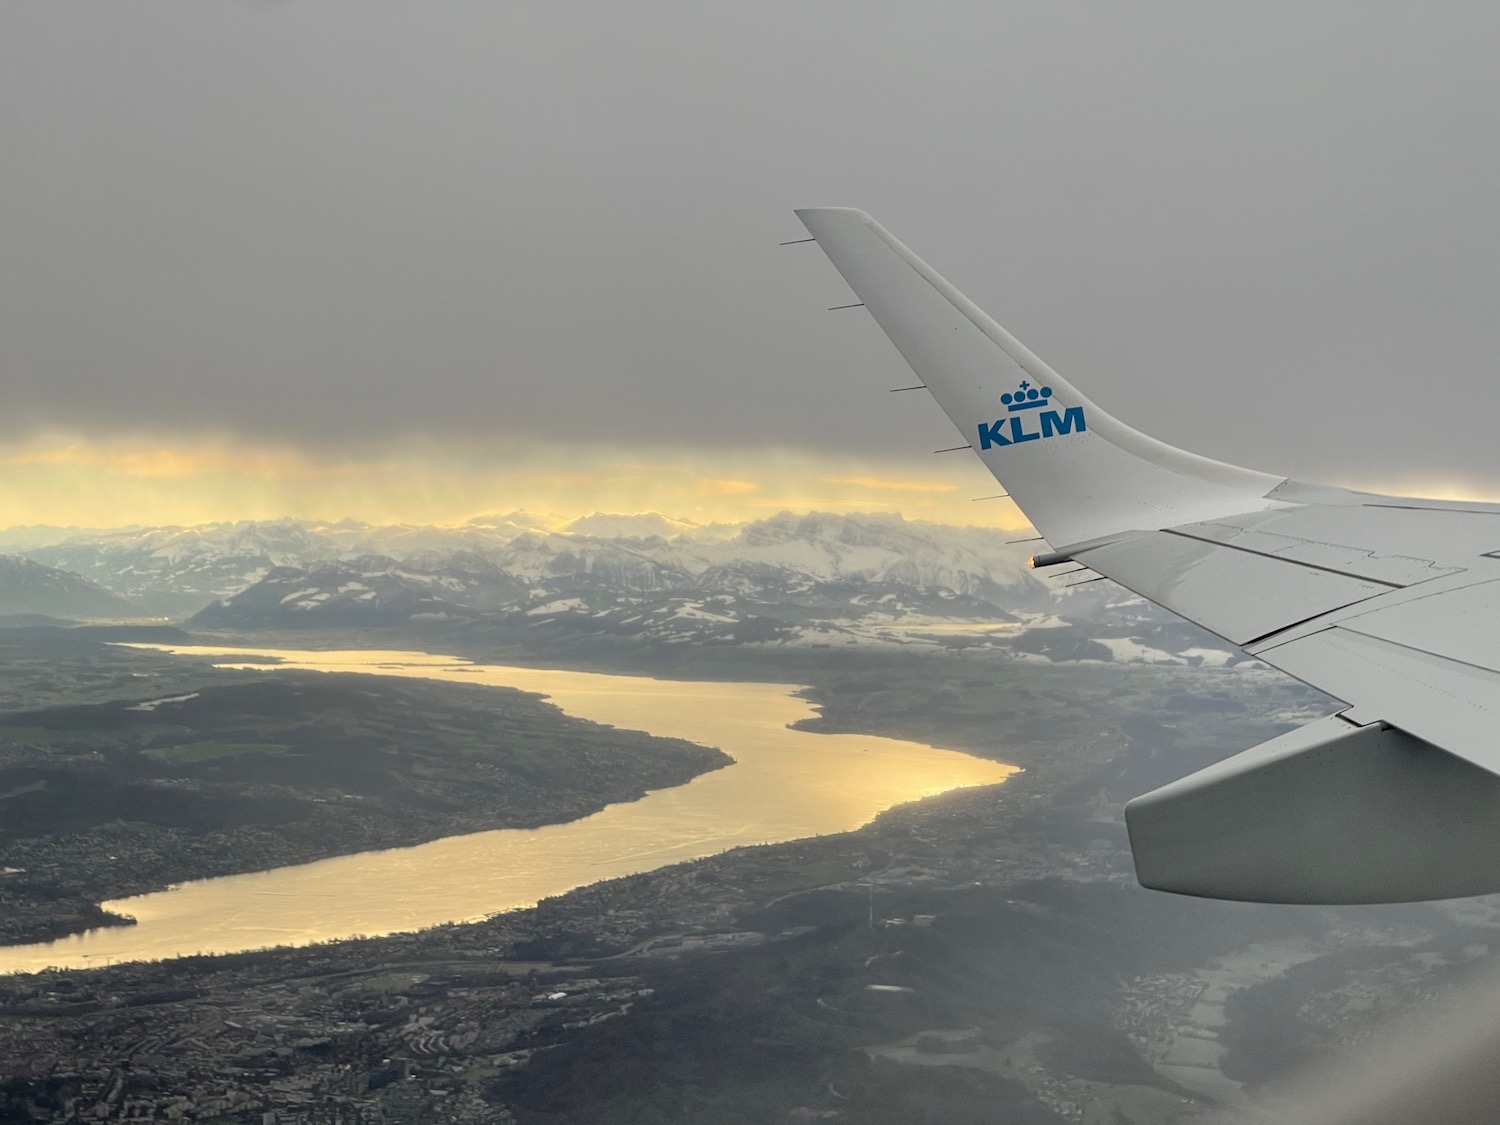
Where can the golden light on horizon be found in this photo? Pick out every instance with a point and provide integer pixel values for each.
(74, 480)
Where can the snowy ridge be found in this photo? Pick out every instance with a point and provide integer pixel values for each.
(791, 581)
(813, 579)
(176, 570)
(180, 569)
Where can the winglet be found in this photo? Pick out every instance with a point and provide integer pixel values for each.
(1076, 472)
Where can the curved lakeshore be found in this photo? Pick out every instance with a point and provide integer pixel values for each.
(785, 784)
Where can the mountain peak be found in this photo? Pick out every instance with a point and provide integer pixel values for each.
(30, 587)
(644, 525)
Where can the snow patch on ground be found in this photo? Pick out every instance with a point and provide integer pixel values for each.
(153, 704)
(697, 613)
(1210, 657)
(1127, 650)
(562, 605)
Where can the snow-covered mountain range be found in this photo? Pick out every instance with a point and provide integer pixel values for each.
(359, 573)
(812, 579)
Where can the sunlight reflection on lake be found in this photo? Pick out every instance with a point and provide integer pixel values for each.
(784, 785)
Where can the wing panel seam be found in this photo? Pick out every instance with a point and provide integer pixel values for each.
(1284, 559)
(1427, 508)
(1417, 648)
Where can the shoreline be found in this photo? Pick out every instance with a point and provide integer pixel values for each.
(598, 700)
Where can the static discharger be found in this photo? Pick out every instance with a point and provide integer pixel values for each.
(856, 305)
(953, 449)
(1051, 558)
(894, 390)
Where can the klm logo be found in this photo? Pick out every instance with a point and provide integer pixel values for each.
(1013, 430)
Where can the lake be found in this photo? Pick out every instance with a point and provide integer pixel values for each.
(784, 785)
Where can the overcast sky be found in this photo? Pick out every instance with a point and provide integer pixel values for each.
(1265, 232)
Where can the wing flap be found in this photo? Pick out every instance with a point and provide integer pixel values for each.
(1240, 595)
(1453, 624)
(1439, 700)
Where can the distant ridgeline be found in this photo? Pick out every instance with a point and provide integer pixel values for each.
(298, 573)
(814, 580)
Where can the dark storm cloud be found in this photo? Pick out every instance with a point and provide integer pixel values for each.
(1266, 232)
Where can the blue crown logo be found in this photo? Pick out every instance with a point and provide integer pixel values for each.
(1026, 397)
(1053, 422)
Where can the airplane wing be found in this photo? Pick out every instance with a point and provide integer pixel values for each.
(1386, 603)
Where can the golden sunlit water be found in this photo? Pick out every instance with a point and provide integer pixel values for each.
(784, 785)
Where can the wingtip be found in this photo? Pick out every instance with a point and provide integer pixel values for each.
(804, 213)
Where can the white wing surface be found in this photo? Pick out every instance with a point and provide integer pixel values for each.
(1389, 604)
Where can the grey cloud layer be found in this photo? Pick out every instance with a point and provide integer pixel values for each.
(1264, 232)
